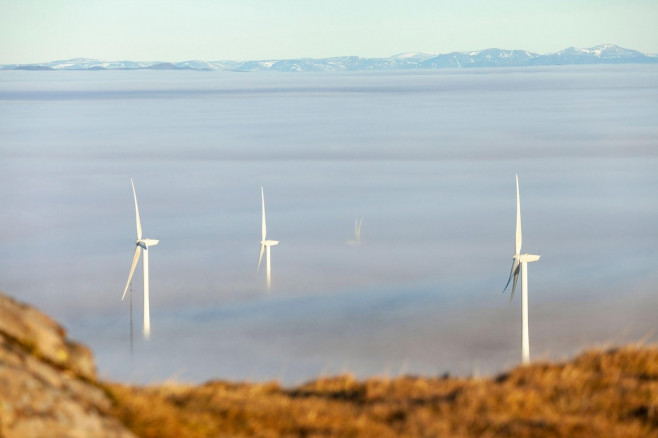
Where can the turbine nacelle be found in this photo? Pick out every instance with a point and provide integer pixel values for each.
(527, 258)
(145, 243)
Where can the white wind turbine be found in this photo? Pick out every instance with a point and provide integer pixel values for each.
(142, 246)
(265, 244)
(520, 261)
(357, 232)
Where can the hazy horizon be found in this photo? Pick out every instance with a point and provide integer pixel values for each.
(391, 55)
(33, 31)
(426, 158)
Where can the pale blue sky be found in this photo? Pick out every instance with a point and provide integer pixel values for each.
(177, 30)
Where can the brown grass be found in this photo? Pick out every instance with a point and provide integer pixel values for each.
(612, 394)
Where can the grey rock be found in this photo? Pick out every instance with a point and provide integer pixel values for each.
(48, 384)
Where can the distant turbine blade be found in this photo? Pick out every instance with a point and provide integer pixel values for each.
(516, 279)
(139, 223)
(264, 229)
(515, 267)
(132, 269)
(519, 237)
(260, 257)
(357, 230)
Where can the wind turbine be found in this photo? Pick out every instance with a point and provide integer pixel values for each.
(265, 244)
(520, 262)
(357, 232)
(142, 246)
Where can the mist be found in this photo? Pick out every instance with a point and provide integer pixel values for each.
(426, 158)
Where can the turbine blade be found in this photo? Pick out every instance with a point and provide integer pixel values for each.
(264, 229)
(519, 237)
(260, 257)
(139, 223)
(132, 269)
(516, 279)
(511, 273)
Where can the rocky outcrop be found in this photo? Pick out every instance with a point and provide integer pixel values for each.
(48, 383)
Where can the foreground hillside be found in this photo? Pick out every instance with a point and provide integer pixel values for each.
(611, 393)
(48, 388)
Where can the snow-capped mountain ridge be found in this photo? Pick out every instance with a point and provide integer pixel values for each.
(601, 54)
(603, 50)
(411, 55)
(493, 57)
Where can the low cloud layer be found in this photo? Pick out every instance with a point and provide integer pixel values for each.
(428, 160)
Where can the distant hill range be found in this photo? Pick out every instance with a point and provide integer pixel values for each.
(603, 54)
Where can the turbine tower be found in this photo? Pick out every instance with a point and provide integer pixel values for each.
(142, 245)
(265, 244)
(520, 262)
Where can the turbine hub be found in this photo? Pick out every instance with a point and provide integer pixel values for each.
(145, 243)
(527, 258)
